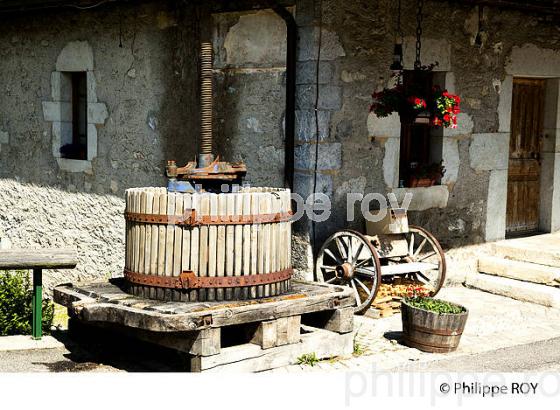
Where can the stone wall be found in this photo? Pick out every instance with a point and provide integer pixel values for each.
(145, 70)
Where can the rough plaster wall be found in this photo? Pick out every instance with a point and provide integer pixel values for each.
(149, 89)
(250, 66)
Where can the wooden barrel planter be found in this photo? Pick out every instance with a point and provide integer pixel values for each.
(432, 332)
(206, 246)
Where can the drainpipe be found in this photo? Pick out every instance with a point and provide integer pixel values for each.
(290, 116)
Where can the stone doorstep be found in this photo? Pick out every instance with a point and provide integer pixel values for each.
(10, 343)
(524, 271)
(515, 289)
(534, 250)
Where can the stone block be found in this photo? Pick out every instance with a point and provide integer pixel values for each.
(57, 111)
(306, 127)
(489, 151)
(330, 97)
(330, 156)
(451, 160)
(391, 162)
(91, 88)
(551, 140)
(4, 137)
(303, 184)
(504, 104)
(424, 198)
(97, 113)
(306, 72)
(75, 56)
(549, 213)
(385, 127)
(496, 204)
(534, 61)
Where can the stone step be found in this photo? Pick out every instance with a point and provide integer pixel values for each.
(525, 271)
(516, 289)
(533, 251)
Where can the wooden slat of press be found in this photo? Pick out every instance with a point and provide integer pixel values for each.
(127, 231)
(212, 244)
(136, 236)
(254, 234)
(148, 232)
(169, 239)
(274, 239)
(177, 243)
(203, 245)
(261, 243)
(230, 242)
(154, 241)
(161, 241)
(267, 240)
(282, 239)
(186, 244)
(221, 254)
(195, 244)
(238, 243)
(288, 241)
(246, 242)
(142, 241)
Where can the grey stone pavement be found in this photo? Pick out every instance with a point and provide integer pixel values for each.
(502, 334)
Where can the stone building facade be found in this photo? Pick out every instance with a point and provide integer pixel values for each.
(141, 85)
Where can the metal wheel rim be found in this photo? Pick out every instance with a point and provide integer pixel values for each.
(362, 282)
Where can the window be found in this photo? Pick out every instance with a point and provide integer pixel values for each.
(419, 141)
(75, 147)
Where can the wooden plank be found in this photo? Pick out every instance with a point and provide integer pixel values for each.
(186, 245)
(154, 241)
(161, 241)
(266, 209)
(230, 242)
(252, 358)
(178, 243)
(238, 243)
(253, 291)
(195, 241)
(312, 298)
(221, 256)
(203, 245)
(246, 270)
(212, 242)
(66, 258)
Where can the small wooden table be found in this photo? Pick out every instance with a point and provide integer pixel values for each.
(38, 259)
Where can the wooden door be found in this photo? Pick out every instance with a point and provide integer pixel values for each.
(524, 156)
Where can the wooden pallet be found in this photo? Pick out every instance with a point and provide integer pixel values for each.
(251, 335)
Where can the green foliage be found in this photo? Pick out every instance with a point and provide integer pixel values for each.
(434, 305)
(16, 312)
(308, 359)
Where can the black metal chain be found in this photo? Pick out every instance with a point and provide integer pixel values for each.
(419, 17)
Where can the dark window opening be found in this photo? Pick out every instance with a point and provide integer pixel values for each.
(416, 138)
(77, 148)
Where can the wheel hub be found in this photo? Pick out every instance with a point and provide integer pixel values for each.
(345, 271)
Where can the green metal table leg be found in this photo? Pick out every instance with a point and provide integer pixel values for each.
(37, 322)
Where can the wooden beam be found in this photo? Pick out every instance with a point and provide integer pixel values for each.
(38, 259)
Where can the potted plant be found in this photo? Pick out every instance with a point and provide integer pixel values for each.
(425, 175)
(429, 324)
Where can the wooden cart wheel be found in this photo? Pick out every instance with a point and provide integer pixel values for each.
(424, 248)
(348, 258)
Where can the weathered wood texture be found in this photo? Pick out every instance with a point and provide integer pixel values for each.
(38, 259)
(527, 115)
(208, 250)
(107, 302)
(432, 332)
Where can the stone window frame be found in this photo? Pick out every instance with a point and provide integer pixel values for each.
(76, 56)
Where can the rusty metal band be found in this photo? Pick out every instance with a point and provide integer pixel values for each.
(189, 218)
(188, 280)
(439, 332)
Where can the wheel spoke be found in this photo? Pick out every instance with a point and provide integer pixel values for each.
(331, 280)
(357, 254)
(326, 267)
(428, 255)
(349, 247)
(332, 255)
(341, 248)
(356, 294)
(364, 287)
(411, 245)
(366, 271)
(363, 262)
(419, 249)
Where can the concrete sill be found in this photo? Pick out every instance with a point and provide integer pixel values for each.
(74, 165)
(424, 198)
